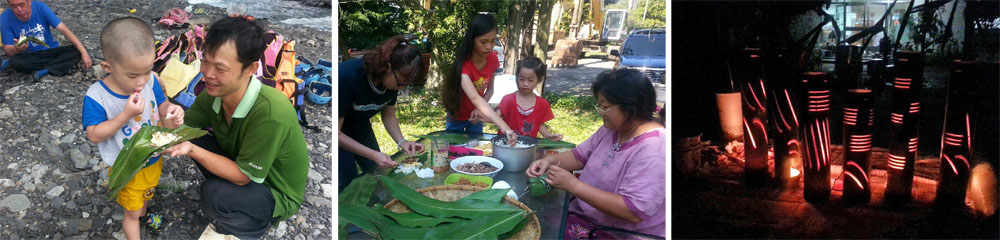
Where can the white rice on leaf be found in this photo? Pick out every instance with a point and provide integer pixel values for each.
(163, 138)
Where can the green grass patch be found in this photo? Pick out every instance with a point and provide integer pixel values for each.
(421, 113)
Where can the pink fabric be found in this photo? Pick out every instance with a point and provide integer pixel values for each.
(174, 16)
(578, 227)
(456, 152)
(637, 172)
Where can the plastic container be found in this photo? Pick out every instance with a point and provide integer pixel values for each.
(453, 179)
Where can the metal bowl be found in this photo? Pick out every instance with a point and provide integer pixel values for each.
(514, 159)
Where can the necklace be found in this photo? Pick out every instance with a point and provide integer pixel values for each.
(617, 147)
(376, 90)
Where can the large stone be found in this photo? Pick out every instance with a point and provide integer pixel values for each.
(328, 190)
(6, 183)
(315, 176)
(299, 220)
(320, 202)
(85, 148)
(68, 139)
(5, 113)
(15, 202)
(55, 152)
(80, 160)
(281, 230)
(85, 225)
(98, 70)
(55, 191)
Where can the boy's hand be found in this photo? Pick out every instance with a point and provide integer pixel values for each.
(555, 137)
(176, 113)
(134, 105)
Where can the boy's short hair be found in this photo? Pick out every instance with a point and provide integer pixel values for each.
(247, 36)
(127, 35)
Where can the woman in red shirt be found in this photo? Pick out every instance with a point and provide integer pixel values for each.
(470, 81)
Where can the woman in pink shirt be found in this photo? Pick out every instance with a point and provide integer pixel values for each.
(622, 182)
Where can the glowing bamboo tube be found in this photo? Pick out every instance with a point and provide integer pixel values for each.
(781, 79)
(816, 137)
(956, 150)
(754, 118)
(903, 129)
(858, 144)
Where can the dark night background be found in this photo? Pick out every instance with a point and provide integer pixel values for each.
(706, 33)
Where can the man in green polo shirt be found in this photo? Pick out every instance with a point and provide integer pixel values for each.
(255, 162)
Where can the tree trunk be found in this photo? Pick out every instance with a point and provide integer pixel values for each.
(513, 37)
(527, 46)
(542, 35)
(574, 24)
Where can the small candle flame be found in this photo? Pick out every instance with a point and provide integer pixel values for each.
(794, 172)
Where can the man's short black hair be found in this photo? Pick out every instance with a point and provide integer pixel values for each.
(126, 36)
(247, 36)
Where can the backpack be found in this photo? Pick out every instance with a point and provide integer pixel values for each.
(278, 68)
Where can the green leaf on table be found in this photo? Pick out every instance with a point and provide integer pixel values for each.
(545, 143)
(464, 208)
(486, 227)
(359, 192)
(138, 150)
(489, 195)
(379, 225)
(364, 217)
(451, 137)
(413, 219)
(516, 229)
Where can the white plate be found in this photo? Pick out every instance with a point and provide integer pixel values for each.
(477, 159)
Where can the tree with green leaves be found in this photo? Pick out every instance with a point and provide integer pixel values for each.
(364, 24)
(444, 24)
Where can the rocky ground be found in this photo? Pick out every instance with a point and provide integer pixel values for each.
(52, 183)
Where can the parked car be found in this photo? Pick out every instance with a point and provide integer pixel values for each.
(498, 47)
(645, 50)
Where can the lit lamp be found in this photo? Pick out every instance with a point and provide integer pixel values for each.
(784, 119)
(904, 124)
(754, 118)
(858, 121)
(956, 137)
(730, 115)
(816, 137)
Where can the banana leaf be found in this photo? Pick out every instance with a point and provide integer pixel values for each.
(412, 219)
(138, 150)
(488, 227)
(379, 225)
(464, 208)
(364, 217)
(359, 192)
(538, 186)
(25, 39)
(489, 195)
(451, 137)
(545, 143)
(516, 229)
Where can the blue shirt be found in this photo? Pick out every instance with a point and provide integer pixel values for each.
(101, 104)
(37, 26)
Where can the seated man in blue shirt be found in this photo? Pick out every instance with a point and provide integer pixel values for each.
(33, 18)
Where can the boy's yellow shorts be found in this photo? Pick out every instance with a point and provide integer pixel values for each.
(141, 187)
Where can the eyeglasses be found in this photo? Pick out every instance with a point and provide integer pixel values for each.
(605, 110)
(400, 83)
